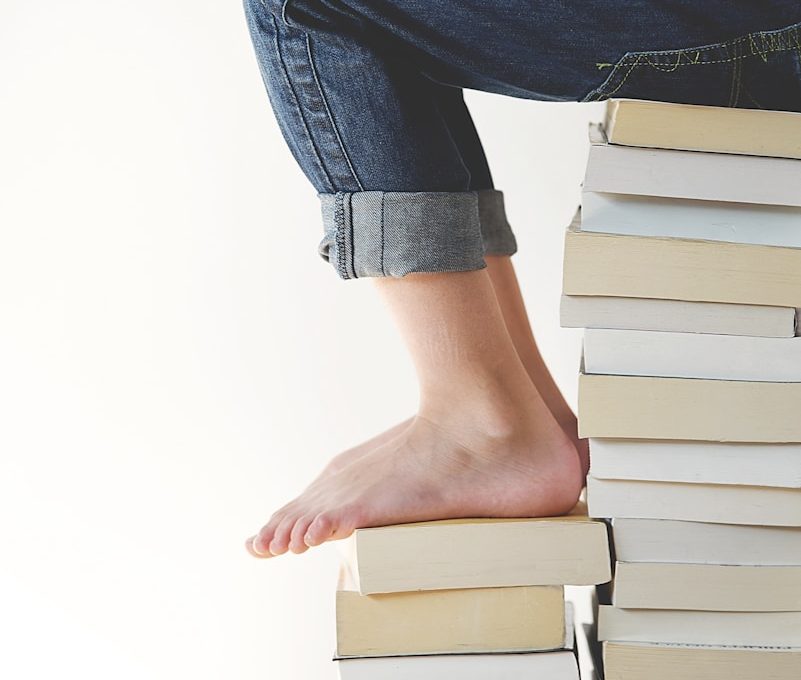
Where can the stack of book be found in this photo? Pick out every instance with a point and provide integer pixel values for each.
(467, 599)
(685, 270)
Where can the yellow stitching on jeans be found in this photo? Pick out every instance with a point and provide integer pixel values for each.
(622, 82)
(670, 69)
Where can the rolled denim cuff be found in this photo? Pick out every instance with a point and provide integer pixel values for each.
(495, 230)
(383, 233)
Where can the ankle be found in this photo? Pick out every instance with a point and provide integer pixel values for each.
(502, 405)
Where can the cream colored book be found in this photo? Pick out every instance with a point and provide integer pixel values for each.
(690, 174)
(655, 540)
(663, 125)
(740, 629)
(480, 553)
(482, 620)
(678, 316)
(680, 269)
(631, 407)
(707, 587)
(633, 661)
(716, 503)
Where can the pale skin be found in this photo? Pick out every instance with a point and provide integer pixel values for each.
(492, 437)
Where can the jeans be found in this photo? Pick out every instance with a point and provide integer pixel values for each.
(368, 95)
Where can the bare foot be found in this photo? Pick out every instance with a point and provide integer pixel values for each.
(484, 444)
(347, 457)
(433, 470)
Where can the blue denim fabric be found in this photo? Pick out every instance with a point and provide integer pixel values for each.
(368, 94)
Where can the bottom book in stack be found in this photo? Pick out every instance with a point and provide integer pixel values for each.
(469, 599)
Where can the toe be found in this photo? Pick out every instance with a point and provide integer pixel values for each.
(280, 543)
(261, 544)
(296, 543)
(250, 547)
(319, 530)
(346, 521)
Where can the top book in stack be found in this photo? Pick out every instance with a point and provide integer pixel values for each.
(479, 553)
(720, 222)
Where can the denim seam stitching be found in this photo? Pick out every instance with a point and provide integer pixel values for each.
(784, 39)
(328, 112)
(383, 242)
(777, 36)
(352, 249)
(339, 234)
(295, 99)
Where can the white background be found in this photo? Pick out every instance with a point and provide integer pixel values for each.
(175, 360)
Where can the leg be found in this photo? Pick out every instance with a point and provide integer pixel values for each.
(498, 243)
(513, 308)
(351, 83)
(482, 444)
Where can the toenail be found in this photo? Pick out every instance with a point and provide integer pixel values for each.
(253, 541)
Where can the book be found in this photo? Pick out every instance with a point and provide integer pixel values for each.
(638, 661)
(680, 269)
(664, 125)
(768, 225)
(482, 620)
(628, 313)
(736, 629)
(535, 666)
(697, 462)
(690, 174)
(715, 503)
(654, 540)
(710, 587)
(634, 407)
(692, 355)
(480, 553)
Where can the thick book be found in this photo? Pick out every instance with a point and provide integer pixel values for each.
(663, 125)
(586, 311)
(680, 269)
(767, 225)
(737, 629)
(707, 587)
(716, 503)
(690, 174)
(482, 620)
(534, 666)
(480, 553)
(635, 407)
(638, 661)
(658, 540)
(692, 355)
(697, 462)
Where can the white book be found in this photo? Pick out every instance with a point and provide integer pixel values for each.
(768, 225)
(717, 503)
(707, 587)
(535, 666)
(660, 540)
(691, 174)
(696, 462)
(691, 355)
(587, 311)
(666, 626)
